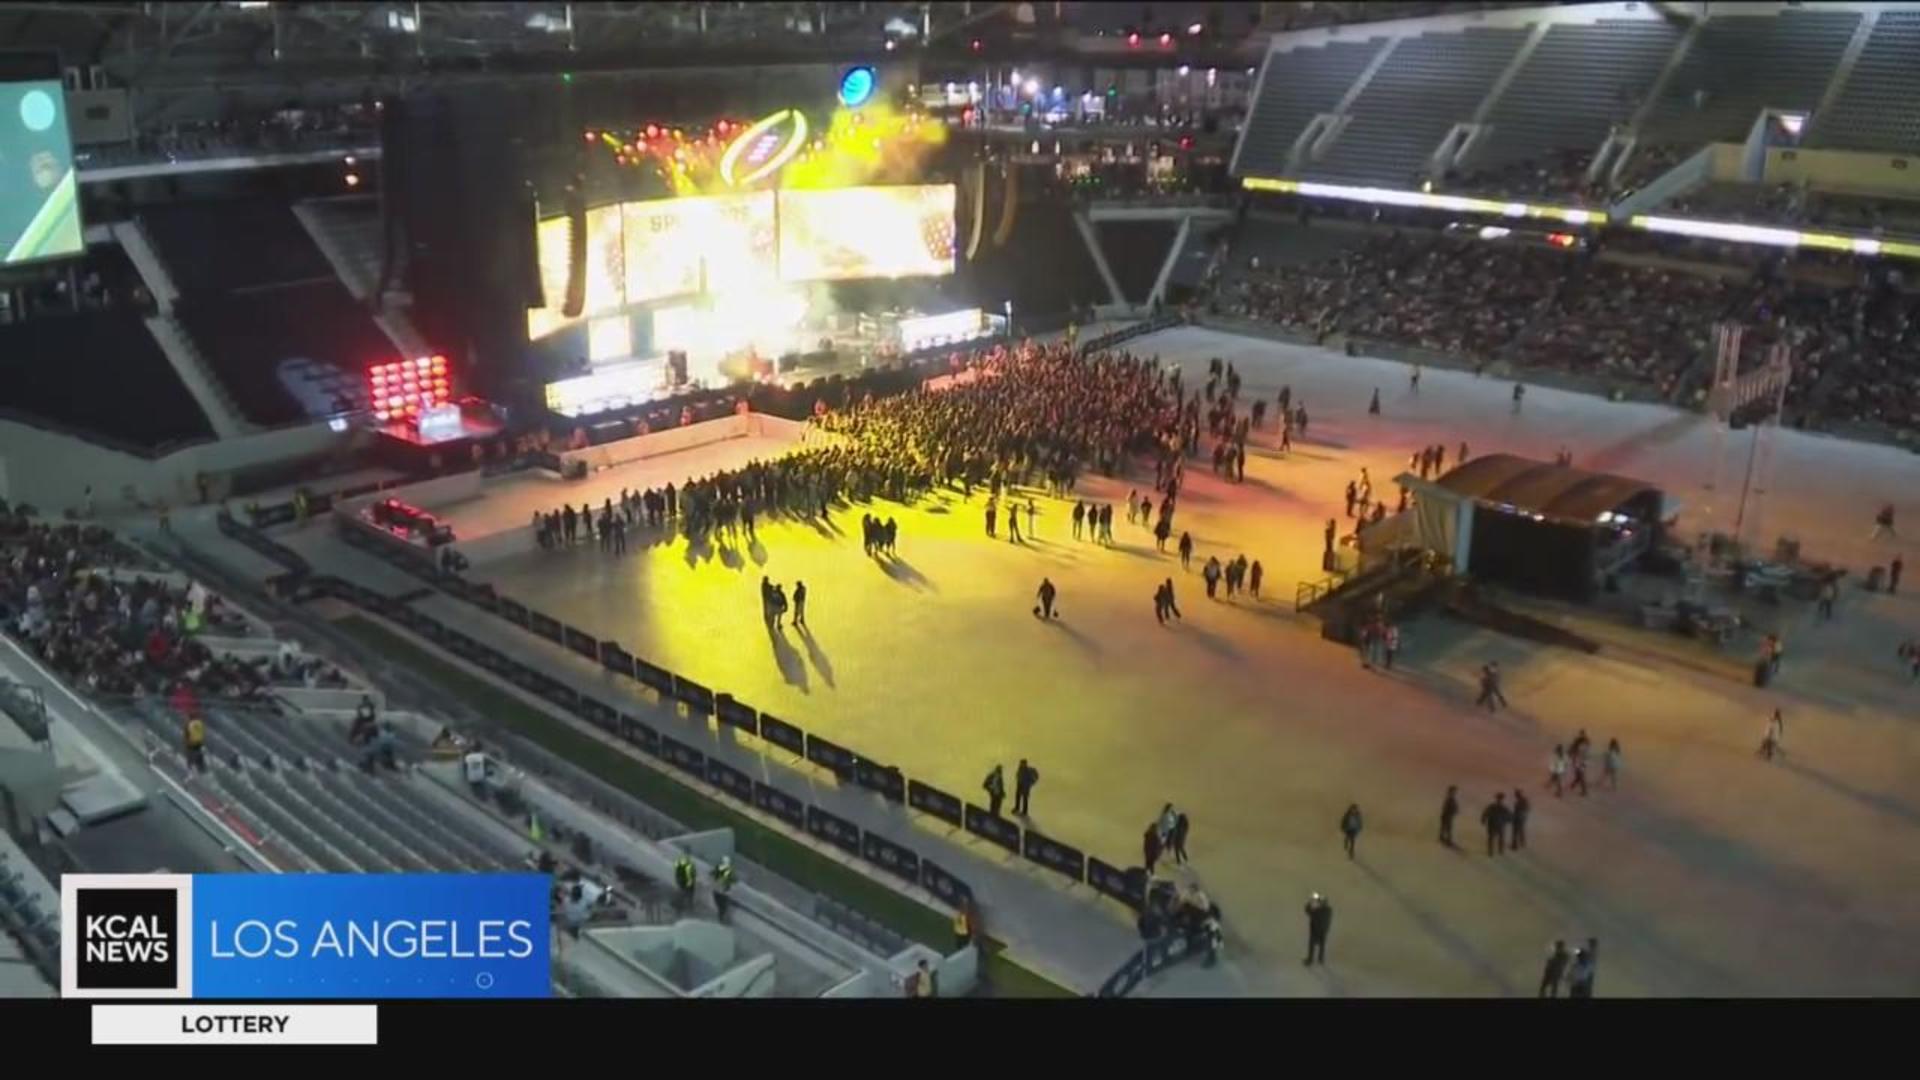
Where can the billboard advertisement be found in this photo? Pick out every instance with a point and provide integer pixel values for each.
(841, 234)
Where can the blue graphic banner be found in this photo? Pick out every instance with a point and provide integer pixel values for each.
(369, 936)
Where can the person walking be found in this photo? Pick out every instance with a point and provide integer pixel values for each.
(1610, 766)
(1579, 761)
(1162, 529)
(1079, 518)
(1173, 607)
(1557, 771)
(1044, 609)
(1013, 524)
(1350, 827)
(1581, 975)
(1449, 810)
(1883, 523)
(1177, 838)
(1186, 550)
(1775, 741)
(799, 605)
(1829, 592)
(1211, 572)
(1319, 925)
(1106, 523)
(1373, 406)
(993, 514)
(1495, 818)
(1556, 969)
(1390, 643)
(194, 738)
(1030, 513)
(1254, 574)
(1521, 808)
(1519, 391)
(1150, 847)
(1490, 687)
(685, 880)
(1024, 777)
(995, 786)
(1413, 381)
(1893, 575)
(721, 880)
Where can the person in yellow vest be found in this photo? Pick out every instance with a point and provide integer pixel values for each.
(195, 738)
(685, 878)
(962, 927)
(923, 983)
(722, 881)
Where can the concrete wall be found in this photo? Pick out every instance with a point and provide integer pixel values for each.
(673, 440)
(1845, 170)
(51, 470)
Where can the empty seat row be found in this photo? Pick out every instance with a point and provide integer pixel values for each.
(1296, 86)
(217, 247)
(256, 343)
(1879, 108)
(99, 374)
(1577, 83)
(1741, 64)
(1428, 84)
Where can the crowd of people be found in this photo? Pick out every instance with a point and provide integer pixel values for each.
(72, 595)
(1637, 325)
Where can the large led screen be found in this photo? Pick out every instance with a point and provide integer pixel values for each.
(39, 194)
(606, 268)
(866, 232)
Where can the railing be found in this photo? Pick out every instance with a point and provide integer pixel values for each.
(1155, 956)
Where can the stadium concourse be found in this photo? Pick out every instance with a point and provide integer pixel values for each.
(1709, 872)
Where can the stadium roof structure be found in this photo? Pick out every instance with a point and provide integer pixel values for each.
(1543, 488)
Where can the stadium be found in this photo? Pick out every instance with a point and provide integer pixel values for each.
(399, 401)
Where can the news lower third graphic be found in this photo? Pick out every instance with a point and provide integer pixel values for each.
(241, 937)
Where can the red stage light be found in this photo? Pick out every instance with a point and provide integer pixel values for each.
(1166, 41)
(1133, 41)
(976, 44)
(590, 136)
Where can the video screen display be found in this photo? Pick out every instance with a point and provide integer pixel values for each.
(866, 232)
(39, 193)
(606, 270)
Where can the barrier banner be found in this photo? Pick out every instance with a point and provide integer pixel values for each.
(902, 862)
(1127, 886)
(830, 755)
(583, 643)
(513, 611)
(997, 829)
(456, 587)
(948, 888)
(616, 659)
(737, 715)
(697, 698)
(780, 804)
(730, 780)
(1056, 856)
(834, 829)
(654, 677)
(885, 779)
(563, 695)
(600, 715)
(683, 757)
(931, 800)
(782, 734)
(545, 625)
(640, 734)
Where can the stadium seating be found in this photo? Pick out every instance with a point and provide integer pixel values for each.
(1578, 82)
(255, 342)
(1876, 109)
(1299, 85)
(1427, 85)
(217, 247)
(1135, 251)
(100, 373)
(1741, 64)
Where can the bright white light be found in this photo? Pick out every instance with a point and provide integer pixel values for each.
(1032, 87)
(1013, 77)
(1212, 74)
(889, 45)
(1193, 29)
(1185, 71)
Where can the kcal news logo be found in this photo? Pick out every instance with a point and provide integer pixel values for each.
(268, 936)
